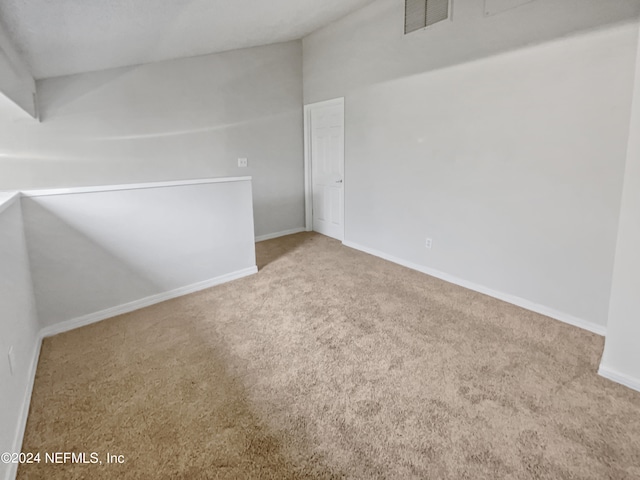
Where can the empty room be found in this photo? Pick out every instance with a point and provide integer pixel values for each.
(320, 239)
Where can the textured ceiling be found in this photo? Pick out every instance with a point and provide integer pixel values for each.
(61, 37)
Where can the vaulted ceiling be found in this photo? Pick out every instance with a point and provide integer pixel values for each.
(62, 37)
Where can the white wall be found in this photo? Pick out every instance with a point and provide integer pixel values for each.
(368, 46)
(18, 328)
(511, 158)
(16, 81)
(180, 119)
(74, 256)
(95, 254)
(621, 359)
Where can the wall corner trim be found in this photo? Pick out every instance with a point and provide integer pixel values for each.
(505, 297)
(621, 378)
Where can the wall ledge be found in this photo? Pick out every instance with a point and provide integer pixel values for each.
(132, 186)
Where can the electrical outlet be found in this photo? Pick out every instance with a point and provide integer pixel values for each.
(12, 360)
(243, 162)
(428, 243)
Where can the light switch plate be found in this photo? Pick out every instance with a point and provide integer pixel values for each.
(243, 162)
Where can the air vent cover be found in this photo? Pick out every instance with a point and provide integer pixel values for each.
(420, 14)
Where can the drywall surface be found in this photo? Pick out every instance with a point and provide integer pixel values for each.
(179, 119)
(67, 36)
(16, 82)
(512, 163)
(92, 252)
(621, 359)
(19, 326)
(369, 47)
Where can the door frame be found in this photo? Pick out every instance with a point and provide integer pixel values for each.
(308, 170)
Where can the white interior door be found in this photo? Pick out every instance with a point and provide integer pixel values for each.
(326, 138)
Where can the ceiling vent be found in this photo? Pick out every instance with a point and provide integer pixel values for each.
(419, 14)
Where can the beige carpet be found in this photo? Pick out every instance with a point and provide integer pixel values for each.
(330, 363)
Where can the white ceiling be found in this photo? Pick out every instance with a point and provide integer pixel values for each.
(62, 37)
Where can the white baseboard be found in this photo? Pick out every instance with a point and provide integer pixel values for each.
(12, 471)
(520, 302)
(144, 302)
(620, 378)
(269, 236)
